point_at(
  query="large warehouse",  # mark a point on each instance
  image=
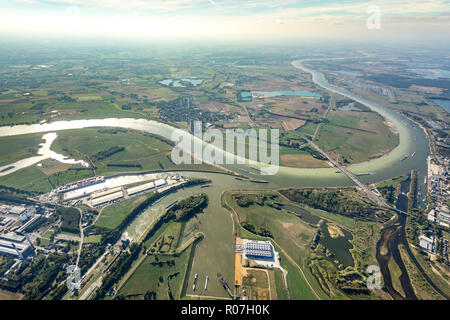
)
(141, 188)
(16, 249)
(108, 198)
(258, 249)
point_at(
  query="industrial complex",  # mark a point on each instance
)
(101, 191)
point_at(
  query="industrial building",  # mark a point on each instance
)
(98, 194)
(255, 250)
(4, 221)
(18, 250)
(426, 243)
(160, 182)
(17, 210)
(108, 198)
(141, 188)
(29, 224)
(13, 237)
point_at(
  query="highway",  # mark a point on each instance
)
(369, 193)
(372, 195)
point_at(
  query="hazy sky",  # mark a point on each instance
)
(229, 19)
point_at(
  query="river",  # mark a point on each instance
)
(411, 140)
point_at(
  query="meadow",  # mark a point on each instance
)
(356, 136)
(161, 274)
(113, 215)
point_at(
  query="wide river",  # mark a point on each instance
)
(412, 141)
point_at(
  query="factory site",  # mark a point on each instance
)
(59, 223)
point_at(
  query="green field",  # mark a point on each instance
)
(357, 136)
(298, 287)
(279, 282)
(111, 216)
(289, 231)
(155, 274)
(30, 179)
(20, 147)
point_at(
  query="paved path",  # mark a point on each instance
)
(80, 246)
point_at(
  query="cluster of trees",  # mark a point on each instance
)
(90, 253)
(352, 282)
(124, 165)
(186, 208)
(70, 219)
(388, 193)
(405, 82)
(118, 270)
(412, 194)
(5, 263)
(314, 153)
(7, 194)
(150, 295)
(66, 98)
(38, 106)
(261, 231)
(112, 130)
(343, 202)
(36, 279)
(107, 153)
(246, 200)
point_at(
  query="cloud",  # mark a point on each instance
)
(214, 18)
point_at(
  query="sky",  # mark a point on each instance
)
(263, 20)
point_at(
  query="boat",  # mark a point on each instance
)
(362, 174)
(259, 181)
(404, 158)
(169, 205)
(206, 186)
(157, 201)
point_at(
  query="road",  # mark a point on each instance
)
(363, 187)
(372, 195)
(250, 121)
(80, 246)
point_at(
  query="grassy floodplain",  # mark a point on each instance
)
(20, 147)
(113, 215)
(155, 274)
(296, 241)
